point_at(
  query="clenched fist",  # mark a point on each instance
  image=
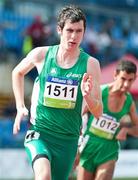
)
(86, 84)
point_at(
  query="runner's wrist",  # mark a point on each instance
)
(18, 108)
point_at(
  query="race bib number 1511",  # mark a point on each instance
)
(60, 92)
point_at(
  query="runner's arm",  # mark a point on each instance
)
(91, 88)
(34, 58)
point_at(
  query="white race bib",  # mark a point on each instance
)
(105, 126)
(60, 92)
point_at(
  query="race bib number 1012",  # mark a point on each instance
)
(105, 126)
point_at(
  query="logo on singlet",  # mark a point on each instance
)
(74, 75)
(53, 71)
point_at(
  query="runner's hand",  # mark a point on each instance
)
(76, 162)
(21, 113)
(122, 135)
(86, 84)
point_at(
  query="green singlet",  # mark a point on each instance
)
(56, 109)
(100, 144)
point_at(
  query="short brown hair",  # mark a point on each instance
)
(72, 12)
(126, 65)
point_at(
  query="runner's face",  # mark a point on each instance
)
(71, 34)
(124, 80)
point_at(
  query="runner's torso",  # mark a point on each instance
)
(58, 110)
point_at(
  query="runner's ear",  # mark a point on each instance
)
(114, 75)
(59, 30)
